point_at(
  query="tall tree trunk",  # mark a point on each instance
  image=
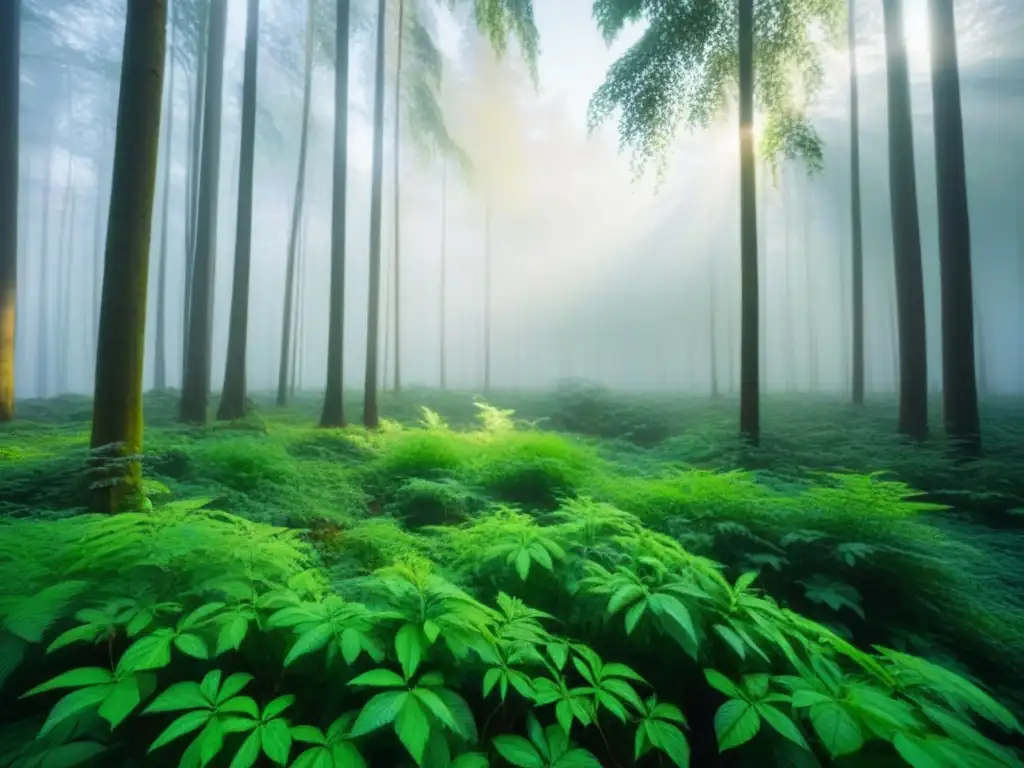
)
(856, 234)
(300, 295)
(193, 179)
(789, 340)
(10, 53)
(762, 257)
(63, 274)
(300, 188)
(232, 399)
(117, 407)
(99, 238)
(196, 385)
(712, 340)
(812, 335)
(443, 304)
(43, 324)
(959, 388)
(397, 193)
(333, 414)
(160, 345)
(487, 297)
(979, 345)
(906, 234)
(750, 421)
(371, 417)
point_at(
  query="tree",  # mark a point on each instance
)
(232, 400)
(160, 345)
(681, 69)
(443, 287)
(371, 417)
(117, 407)
(397, 188)
(300, 189)
(196, 384)
(906, 234)
(333, 414)
(487, 296)
(10, 77)
(959, 388)
(856, 227)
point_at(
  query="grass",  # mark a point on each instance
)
(880, 541)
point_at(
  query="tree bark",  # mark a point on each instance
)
(856, 226)
(959, 387)
(333, 414)
(906, 234)
(196, 385)
(232, 399)
(117, 407)
(300, 188)
(371, 417)
(160, 342)
(397, 193)
(10, 53)
(750, 421)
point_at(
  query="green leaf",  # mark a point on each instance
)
(320, 757)
(634, 614)
(190, 721)
(30, 618)
(782, 723)
(277, 706)
(310, 641)
(70, 754)
(670, 740)
(623, 596)
(75, 703)
(277, 740)
(379, 678)
(756, 686)
(917, 752)
(149, 652)
(187, 695)
(121, 702)
(723, 684)
(470, 760)
(837, 728)
(413, 728)
(491, 677)
(518, 751)
(409, 647)
(431, 630)
(308, 734)
(379, 711)
(248, 753)
(231, 634)
(577, 758)
(199, 616)
(671, 608)
(88, 632)
(734, 640)
(523, 564)
(436, 707)
(232, 686)
(461, 713)
(192, 645)
(240, 705)
(75, 678)
(808, 698)
(736, 723)
(351, 645)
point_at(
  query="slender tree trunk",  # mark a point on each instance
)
(160, 345)
(856, 234)
(762, 258)
(371, 417)
(117, 408)
(300, 295)
(442, 320)
(712, 340)
(750, 422)
(232, 399)
(99, 239)
(195, 151)
(913, 384)
(43, 325)
(487, 297)
(959, 388)
(334, 406)
(300, 188)
(812, 336)
(10, 53)
(790, 337)
(196, 386)
(67, 251)
(397, 193)
(63, 275)
(979, 345)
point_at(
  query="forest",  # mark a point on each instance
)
(467, 383)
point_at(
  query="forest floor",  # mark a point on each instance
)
(927, 557)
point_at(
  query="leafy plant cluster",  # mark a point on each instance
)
(580, 638)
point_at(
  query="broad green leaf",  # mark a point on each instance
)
(75, 703)
(413, 728)
(462, 715)
(308, 734)
(240, 705)
(71, 754)
(318, 757)
(121, 702)
(409, 648)
(577, 758)
(809, 698)
(277, 706)
(231, 635)
(756, 686)
(782, 723)
(277, 740)
(491, 677)
(248, 753)
(837, 728)
(723, 684)
(470, 760)
(736, 723)
(199, 616)
(522, 562)
(518, 751)
(87, 632)
(734, 640)
(192, 645)
(232, 686)
(345, 755)
(671, 608)
(30, 618)
(310, 641)
(429, 699)
(351, 645)
(379, 711)
(431, 630)
(190, 721)
(379, 678)
(622, 597)
(75, 678)
(149, 652)
(634, 614)
(179, 696)
(669, 740)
